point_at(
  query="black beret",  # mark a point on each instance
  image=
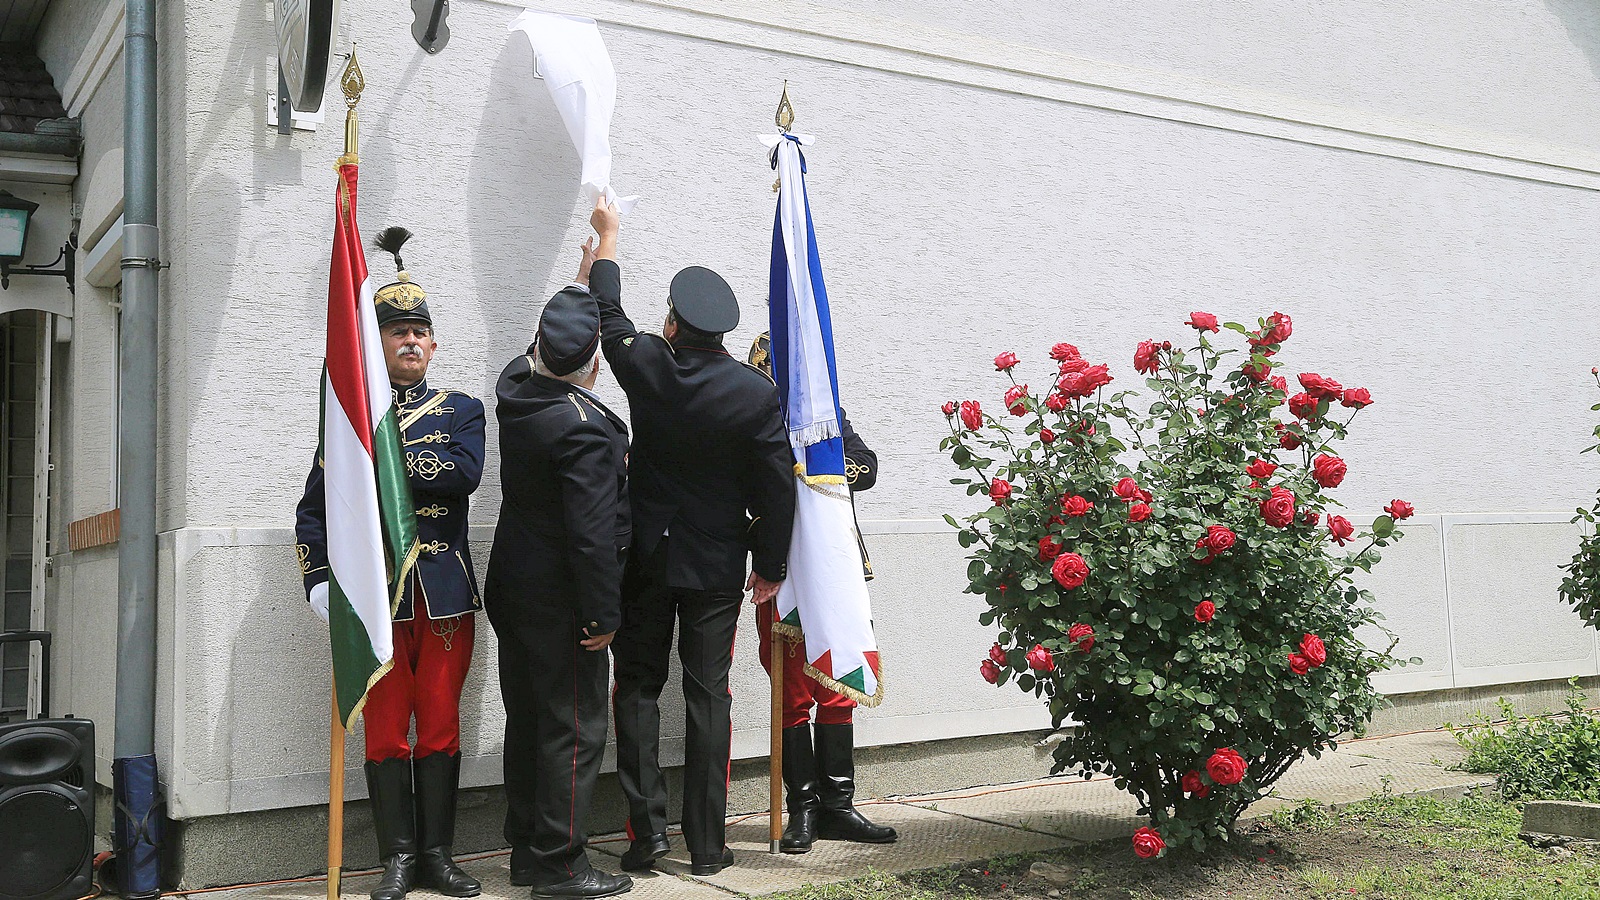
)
(703, 301)
(569, 331)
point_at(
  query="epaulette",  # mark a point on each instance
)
(759, 371)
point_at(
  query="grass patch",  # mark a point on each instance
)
(1555, 758)
(1384, 848)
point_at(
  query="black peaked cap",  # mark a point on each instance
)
(703, 301)
(569, 331)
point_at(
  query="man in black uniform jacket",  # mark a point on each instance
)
(710, 452)
(553, 592)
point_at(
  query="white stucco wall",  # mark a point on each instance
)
(1416, 187)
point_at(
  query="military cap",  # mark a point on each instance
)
(703, 301)
(402, 298)
(761, 353)
(569, 331)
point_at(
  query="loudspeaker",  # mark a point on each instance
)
(46, 809)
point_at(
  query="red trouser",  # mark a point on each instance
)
(800, 691)
(430, 666)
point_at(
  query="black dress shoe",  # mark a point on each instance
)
(643, 853)
(593, 883)
(710, 863)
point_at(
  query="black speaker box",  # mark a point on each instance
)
(46, 809)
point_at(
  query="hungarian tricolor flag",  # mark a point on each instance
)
(372, 531)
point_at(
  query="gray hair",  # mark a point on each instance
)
(574, 377)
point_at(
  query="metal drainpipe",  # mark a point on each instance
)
(135, 783)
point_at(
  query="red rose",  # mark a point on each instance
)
(1313, 649)
(1340, 529)
(1056, 402)
(1127, 490)
(1287, 439)
(949, 408)
(1399, 509)
(1138, 512)
(1005, 361)
(1147, 843)
(1279, 383)
(1000, 491)
(1014, 396)
(1040, 660)
(990, 671)
(1064, 351)
(1320, 387)
(1204, 611)
(1256, 371)
(1047, 435)
(1075, 364)
(1147, 358)
(1202, 321)
(1311, 517)
(1303, 406)
(1049, 548)
(971, 414)
(1299, 664)
(1328, 470)
(1226, 767)
(1083, 636)
(1069, 570)
(1356, 398)
(1278, 509)
(1076, 505)
(1097, 376)
(1194, 787)
(1260, 468)
(1276, 330)
(1074, 385)
(1145, 496)
(997, 654)
(1219, 538)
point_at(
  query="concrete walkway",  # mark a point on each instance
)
(960, 826)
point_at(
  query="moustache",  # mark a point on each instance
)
(409, 350)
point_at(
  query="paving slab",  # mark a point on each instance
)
(1434, 748)
(928, 839)
(1347, 776)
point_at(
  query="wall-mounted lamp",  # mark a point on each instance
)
(15, 215)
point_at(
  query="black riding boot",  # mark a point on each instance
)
(437, 775)
(838, 820)
(394, 819)
(800, 780)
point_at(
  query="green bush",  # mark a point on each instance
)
(1556, 758)
(1161, 575)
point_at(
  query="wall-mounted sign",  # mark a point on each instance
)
(305, 41)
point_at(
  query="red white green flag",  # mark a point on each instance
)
(372, 531)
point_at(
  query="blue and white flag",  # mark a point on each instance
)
(825, 595)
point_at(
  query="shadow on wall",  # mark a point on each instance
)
(1582, 21)
(521, 193)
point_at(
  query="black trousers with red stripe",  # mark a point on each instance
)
(555, 697)
(707, 622)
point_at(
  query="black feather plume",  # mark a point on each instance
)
(390, 240)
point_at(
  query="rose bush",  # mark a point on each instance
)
(1162, 578)
(1581, 586)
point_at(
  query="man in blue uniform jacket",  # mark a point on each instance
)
(554, 592)
(710, 454)
(413, 787)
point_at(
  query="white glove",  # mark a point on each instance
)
(319, 601)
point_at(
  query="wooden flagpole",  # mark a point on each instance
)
(775, 776)
(335, 800)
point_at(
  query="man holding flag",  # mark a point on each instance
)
(382, 531)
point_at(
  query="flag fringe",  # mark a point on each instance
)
(378, 673)
(815, 433)
(838, 687)
(800, 472)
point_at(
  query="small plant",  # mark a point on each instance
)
(1555, 758)
(1581, 587)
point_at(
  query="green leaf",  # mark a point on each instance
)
(1382, 527)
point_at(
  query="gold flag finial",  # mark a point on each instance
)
(352, 83)
(785, 115)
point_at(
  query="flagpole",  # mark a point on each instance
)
(335, 800)
(775, 775)
(352, 83)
